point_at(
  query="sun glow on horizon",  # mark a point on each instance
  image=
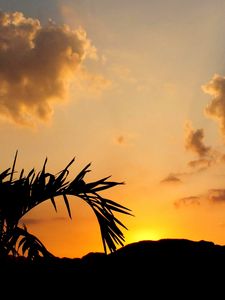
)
(144, 234)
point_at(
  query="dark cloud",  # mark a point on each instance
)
(171, 179)
(200, 164)
(194, 141)
(216, 109)
(216, 195)
(206, 156)
(37, 65)
(186, 201)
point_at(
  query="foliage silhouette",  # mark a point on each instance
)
(19, 196)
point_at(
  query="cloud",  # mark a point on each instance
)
(90, 82)
(206, 156)
(37, 65)
(124, 139)
(171, 179)
(194, 141)
(124, 73)
(186, 201)
(121, 140)
(216, 195)
(200, 164)
(216, 108)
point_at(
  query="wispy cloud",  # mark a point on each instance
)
(37, 65)
(212, 196)
(121, 140)
(124, 73)
(171, 179)
(124, 139)
(91, 82)
(187, 201)
(200, 164)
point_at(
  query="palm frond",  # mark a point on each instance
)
(19, 196)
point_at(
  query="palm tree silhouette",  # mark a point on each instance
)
(19, 196)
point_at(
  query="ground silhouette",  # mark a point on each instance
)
(177, 268)
(158, 255)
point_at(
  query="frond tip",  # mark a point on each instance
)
(19, 196)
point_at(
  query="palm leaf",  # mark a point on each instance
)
(13, 167)
(67, 205)
(19, 196)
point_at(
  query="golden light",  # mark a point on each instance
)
(143, 234)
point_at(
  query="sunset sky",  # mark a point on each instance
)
(137, 88)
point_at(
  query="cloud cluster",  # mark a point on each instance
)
(214, 196)
(205, 156)
(37, 65)
(216, 108)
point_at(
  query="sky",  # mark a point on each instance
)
(137, 88)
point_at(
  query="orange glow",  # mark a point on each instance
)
(143, 234)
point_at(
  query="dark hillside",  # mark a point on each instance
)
(157, 265)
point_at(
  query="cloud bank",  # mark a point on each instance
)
(37, 65)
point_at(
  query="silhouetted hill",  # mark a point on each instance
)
(137, 255)
(146, 264)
